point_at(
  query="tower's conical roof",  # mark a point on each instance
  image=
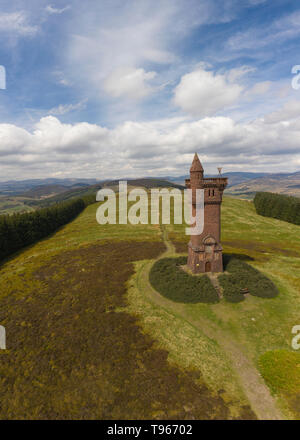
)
(196, 164)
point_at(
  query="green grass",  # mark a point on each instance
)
(67, 281)
(187, 346)
(85, 230)
(273, 247)
(73, 351)
(281, 371)
(239, 275)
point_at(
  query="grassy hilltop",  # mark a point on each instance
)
(261, 326)
(85, 340)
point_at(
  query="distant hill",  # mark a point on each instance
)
(63, 196)
(44, 191)
(234, 178)
(20, 196)
(44, 187)
(41, 196)
(18, 187)
(288, 184)
(245, 185)
(145, 183)
(92, 189)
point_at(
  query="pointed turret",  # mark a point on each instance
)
(196, 172)
(205, 250)
(196, 164)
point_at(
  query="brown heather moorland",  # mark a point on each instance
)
(74, 352)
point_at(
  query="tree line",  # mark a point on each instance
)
(278, 206)
(19, 230)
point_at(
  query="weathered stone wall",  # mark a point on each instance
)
(206, 256)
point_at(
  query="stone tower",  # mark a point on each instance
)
(205, 250)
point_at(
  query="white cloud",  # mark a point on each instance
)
(16, 23)
(130, 52)
(115, 46)
(278, 31)
(256, 2)
(51, 10)
(60, 78)
(290, 110)
(147, 148)
(137, 36)
(13, 140)
(260, 88)
(66, 108)
(129, 83)
(202, 93)
(237, 73)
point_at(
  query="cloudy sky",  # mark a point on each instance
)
(131, 88)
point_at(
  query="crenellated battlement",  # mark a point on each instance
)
(215, 181)
(207, 182)
(205, 250)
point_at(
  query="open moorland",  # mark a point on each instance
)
(261, 327)
(73, 349)
(88, 337)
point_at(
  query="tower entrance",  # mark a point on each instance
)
(205, 250)
(208, 266)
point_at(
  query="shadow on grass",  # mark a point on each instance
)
(228, 256)
(240, 277)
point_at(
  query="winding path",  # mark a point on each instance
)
(255, 389)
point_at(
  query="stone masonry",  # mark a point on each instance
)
(205, 250)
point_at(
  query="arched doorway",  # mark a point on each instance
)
(208, 266)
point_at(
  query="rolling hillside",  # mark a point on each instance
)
(245, 185)
(44, 191)
(85, 341)
(18, 187)
(234, 178)
(288, 184)
(46, 195)
(21, 196)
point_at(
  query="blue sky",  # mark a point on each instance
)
(113, 88)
